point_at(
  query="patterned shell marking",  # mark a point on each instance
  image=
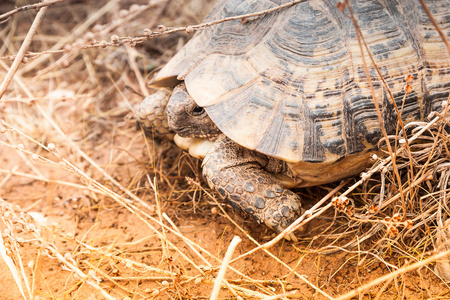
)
(292, 85)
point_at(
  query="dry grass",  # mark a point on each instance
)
(90, 209)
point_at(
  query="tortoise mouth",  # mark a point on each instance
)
(188, 132)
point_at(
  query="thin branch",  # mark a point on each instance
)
(403, 270)
(162, 30)
(435, 24)
(361, 41)
(28, 7)
(223, 268)
(21, 54)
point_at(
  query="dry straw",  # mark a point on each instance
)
(147, 250)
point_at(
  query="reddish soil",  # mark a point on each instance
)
(116, 241)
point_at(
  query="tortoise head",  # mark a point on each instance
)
(188, 119)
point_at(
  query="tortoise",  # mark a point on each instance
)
(283, 100)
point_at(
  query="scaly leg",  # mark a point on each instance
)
(238, 174)
(151, 115)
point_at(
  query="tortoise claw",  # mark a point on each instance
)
(238, 175)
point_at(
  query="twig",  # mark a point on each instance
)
(376, 169)
(361, 41)
(361, 289)
(306, 217)
(23, 48)
(28, 7)
(44, 179)
(132, 54)
(89, 279)
(223, 268)
(187, 241)
(140, 39)
(12, 267)
(435, 24)
(260, 247)
(284, 295)
(208, 24)
(76, 32)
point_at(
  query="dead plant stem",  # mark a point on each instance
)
(306, 217)
(435, 24)
(360, 38)
(223, 268)
(29, 7)
(390, 276)
(23, 49)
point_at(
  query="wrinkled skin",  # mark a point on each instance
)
(186, 118)
(244, 177)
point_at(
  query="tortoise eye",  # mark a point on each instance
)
(198, 110)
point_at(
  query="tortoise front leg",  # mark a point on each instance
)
(239, 175)
(151, 115)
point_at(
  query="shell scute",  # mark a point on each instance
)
(292, 84)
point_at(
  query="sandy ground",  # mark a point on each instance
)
(115, 214)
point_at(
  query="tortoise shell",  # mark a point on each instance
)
(291, 84)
